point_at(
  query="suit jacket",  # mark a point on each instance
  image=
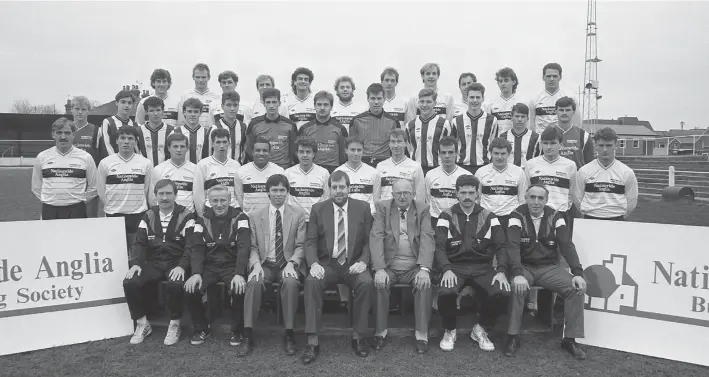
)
(384, 238)
(294, 226)
(321, 233)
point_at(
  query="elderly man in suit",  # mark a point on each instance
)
(277, 237)
(337, 251)
(402, 248)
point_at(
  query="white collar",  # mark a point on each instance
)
(272, 209)
(344, 207)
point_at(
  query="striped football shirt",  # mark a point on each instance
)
(425, 135)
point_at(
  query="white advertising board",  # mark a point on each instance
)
(648, 288)
(61, 283)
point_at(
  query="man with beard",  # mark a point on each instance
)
(346, 107)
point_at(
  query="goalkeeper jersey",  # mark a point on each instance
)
(606, 191)
(398, 107)
(501, 108)
(502, 190)
(183, 177)
(443, 106)
(259, 109)
(237, 137)
(154, 145)
(123, 184)
(169, 113)
(251, 185)
(199, 142)
(62, 179)
(330, 137)
(425, 135)
(299, 111)
(86, 138)
(557, 176)
(211, 172)
(525, 146)
(364, 183)
(440, 187)
(389, 171)
(280, 133)
(308, 188)
(344, 113)
(544, 109)
(474, 134)
(208, 99)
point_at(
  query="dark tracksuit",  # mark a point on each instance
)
(220, 251)
(158, 253)
(467, 245)
(535, 255)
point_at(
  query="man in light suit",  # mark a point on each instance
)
(277, 237)
(337, 251)
(402, 247)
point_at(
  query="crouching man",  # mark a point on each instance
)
(160, 253)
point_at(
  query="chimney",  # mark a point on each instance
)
(146, 93)
(67, 107)
(681, 125)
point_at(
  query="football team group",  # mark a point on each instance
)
(301, 190)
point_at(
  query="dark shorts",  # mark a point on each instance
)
(72, 211)
(131, 220)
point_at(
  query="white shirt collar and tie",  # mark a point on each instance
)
(336, 218)
(272, 231)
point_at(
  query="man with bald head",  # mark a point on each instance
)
(402, 246)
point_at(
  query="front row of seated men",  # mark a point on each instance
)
(337, 245)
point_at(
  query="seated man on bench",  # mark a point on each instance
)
(401, 244)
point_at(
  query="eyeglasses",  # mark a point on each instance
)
(402, 194)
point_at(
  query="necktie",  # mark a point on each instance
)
(341, 244)
(403, 213)
(280, 260)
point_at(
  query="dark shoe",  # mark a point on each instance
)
(512, 345)
(199, 337)
(574, 349)
(360, 347)
(289, 345)
(236, 339)
(421, 347)
(310, 354)
(245, 347)
(379, 342)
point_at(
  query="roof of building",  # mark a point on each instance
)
(628, 130)
(676, 133)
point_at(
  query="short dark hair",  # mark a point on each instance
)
(606, 134)
(324, 94)
(174, 136)
(389, 71)
(270, 92)
(552, 133)
(164, 183)
(338, 175)
(467, 74)
(500, 142)
(277, 179)
(153, 101)
(565, 102)
(399, 132)
(556, 66)
(344, 78)
(353, 139)
(219, 132)
(160, 74)
(520, 108)
(374, 88)
(301, 71)
(261, 140)
(193, 103)
(447, 141)
(228, 74)
(265, 77)
(476, 87)
(61, 122)
(231, 96)
(201, 67)
(125, 94)
(467, 180)
(307, 142)
(128, 130)
(428, 93)
(508, 73)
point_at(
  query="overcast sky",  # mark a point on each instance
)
(655, 54)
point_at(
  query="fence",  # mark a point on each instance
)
(653, 181)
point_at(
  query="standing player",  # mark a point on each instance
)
(525, 142)
(606, 189)
(123, 181)
(501, 106)
(373, 127)
(108, 135)
(399, 166)
(279, 131)
(177, 169)
(229, 120)
(502, 185)
(365, 182)
(426, 131)
(201, 91)
(576, 145)
(474, 129)
(308, 181)
(64, 177)
(192, 128)
(154, 132)
(396, 106)
(298, 102)
(346, 107)
(160, 81)
(329, 134)
(228, 80)
(258, 109)
(464, 81)
(251, 178)
(543, 107)
(218, 169)
(440, 182)
(86, 134)
(430, 73)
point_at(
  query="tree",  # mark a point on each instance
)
(23, 106)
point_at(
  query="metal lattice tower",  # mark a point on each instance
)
(590, 73)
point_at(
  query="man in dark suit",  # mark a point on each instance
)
(402, 248)
(337, 251)
(277, 237)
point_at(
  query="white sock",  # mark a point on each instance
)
(420, 335)
(143, 320)
(383, 334)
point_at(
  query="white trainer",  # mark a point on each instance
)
(480, 336)
(141, 332)
(448, 341)
(173, 334)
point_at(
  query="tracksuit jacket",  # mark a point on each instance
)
(168, 250)
(223, 243)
